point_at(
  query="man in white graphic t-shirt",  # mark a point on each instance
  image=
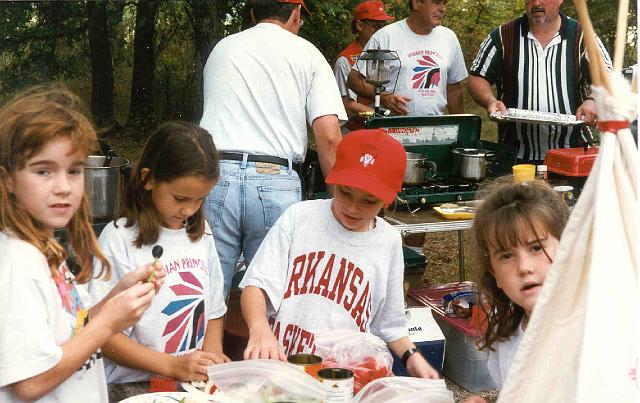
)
(432, 66)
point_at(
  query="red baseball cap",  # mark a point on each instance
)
(371, 10)
(294, 2)
(372, 161)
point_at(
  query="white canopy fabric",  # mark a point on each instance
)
(582, 342)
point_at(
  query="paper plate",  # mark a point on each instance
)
(461, 213)
(157, 397)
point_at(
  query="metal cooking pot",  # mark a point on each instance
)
(419, 168)
(472, 163)
(103, 183)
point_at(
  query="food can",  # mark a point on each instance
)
(309, 363)
(541, 172)
(566, 192)
(338, 383)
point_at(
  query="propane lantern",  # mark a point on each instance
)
(379, 64)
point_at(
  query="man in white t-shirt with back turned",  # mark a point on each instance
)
(262, 86)
(432, 65)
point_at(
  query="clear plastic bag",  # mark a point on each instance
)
(459, 304)
(363, 353)
(402, 389)
(258, 381)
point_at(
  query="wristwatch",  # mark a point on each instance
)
(409, 353)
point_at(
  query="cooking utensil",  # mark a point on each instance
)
(419, 169)
(472, 163)
(108, 158)
(103, 184)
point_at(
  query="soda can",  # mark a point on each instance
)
(309, 363)
(338, 383)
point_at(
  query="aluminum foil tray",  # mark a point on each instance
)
(536, 117)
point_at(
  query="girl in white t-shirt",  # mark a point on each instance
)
(181, 333)
(516, 234)
(50, 343)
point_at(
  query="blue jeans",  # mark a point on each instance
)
(244, 205)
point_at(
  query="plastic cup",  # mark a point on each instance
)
(566, 192)
(524, 172)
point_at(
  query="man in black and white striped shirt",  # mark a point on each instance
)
(538, 62)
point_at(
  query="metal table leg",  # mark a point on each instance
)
(461, 255)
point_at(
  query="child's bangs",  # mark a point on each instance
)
(512, 227)
(84, 138)
(54, 125)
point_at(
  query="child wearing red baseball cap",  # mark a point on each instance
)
(334, 264)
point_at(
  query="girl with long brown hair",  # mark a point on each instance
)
(516, 233)
(50, 343)
(181, 333)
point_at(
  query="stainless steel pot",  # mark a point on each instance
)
(103, 184)
(472, 163)
(419, 168)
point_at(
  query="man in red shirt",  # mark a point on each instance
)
(368, 17)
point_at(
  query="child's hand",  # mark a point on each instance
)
(263, 344)
(125, 308)
(193, 366)
(141, 274)
(418, 367)
(219, 358)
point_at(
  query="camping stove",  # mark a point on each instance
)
(434, 191)
(436, 137)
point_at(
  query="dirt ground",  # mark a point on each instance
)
(460, 394)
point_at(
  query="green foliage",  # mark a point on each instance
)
(45, 41)
(41, 42)
(603, 15)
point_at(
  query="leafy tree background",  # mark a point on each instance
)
(138, 63)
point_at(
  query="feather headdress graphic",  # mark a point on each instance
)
(427, 73)
(187, 322)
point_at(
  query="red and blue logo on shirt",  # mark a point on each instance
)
(427, 73)
(187, 322)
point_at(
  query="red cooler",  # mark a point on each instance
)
(571, 162)
(570, 166)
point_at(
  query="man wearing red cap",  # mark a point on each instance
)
(262, 87)
(332, 265)
(430, 77)
(368, 17)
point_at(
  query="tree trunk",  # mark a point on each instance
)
(140, 118)
(50, 21)
(203, 16)
(101, 65)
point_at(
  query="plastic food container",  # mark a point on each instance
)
(463, 362)
(575, 162)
